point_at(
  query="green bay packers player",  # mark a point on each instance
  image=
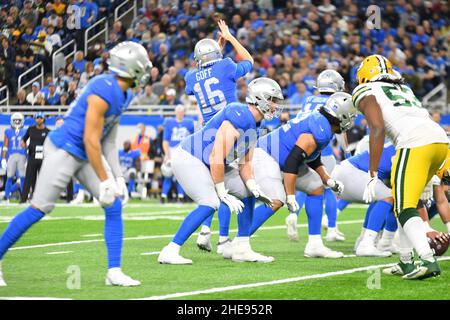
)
(391, 108)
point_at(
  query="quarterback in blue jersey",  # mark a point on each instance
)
(353, 173)
(328, 82)
(202, 164)
(295, 149)
(175, 130)
(14, 155)
(84, 147)
(130, 162)
(214, 85)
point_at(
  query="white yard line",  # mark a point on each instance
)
(154, 253)
(58, 252)
(270, 283)
(157, 236)
(92, 235)
(32, 298)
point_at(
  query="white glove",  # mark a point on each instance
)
(369, 191)
(335, 185)
(4, 164)
(122, 190)
(292, 204)
(231, 201)
(108, 191)
(258, 193)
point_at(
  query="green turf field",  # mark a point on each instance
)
(63, 256)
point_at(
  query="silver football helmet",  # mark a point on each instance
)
(340, 106)
(17, 120)
(130, 60)
(206, 52)
(265, 93)
(330, 81)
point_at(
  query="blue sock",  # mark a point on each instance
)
(369, 210)
(131, 185)
(261, 215)
(330, 207)
(342, 204)
(245, 217)
(180, 190)
(114, 233)
(191, 223)
(313, 207)
(432, 211)
(22, 182)
(224, 215)
(8, 188)
(14, 188)
(391, 222)
(378, 215)
(18, 226)
(208, 221)
(76, 188)
(167, 184)
(301, 198)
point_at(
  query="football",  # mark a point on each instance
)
(439, 245)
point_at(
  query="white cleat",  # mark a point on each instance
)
(321, 252)
(333, 236)
(170, 256)
(227, 249)
(291, 223)
(224, 246)
(371, 251)
(204, 241)
(115, 277)
(250, 256)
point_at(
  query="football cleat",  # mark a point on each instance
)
(2, 281)
(321, 251)
(334, 236)
(250, 256)
(371, 251)
(224, 246)
(115, 277)
(425, 269)
(204, 241)
(291, 223)
(170, 256)
(399, 269)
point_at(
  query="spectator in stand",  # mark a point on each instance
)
(43, 49)
(63, 98)
(24, 58)
(59, 7)
(33, 96)
(87, 74)
(160, 87)
(141, 142)
(129, 36)
(425, 74)
(170, 99)
(72, 92)
(302, 93)
(54, 38)
(52, 97)
(52, 18)
(104, 8)
(39, 6)
(7, 51)
(22, 98)
(79, 63)
(28, 13)
(146, 98)
(119, 31)
(61, 29)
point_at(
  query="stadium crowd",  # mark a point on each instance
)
(291, 42)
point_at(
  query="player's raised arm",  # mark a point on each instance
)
(240, 50)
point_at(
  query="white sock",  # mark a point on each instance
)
(315, 240)
(205, 229)
(243, 239)
(338, 212)
(174, 246)
(416, 233)
(368, 238)
(387, 236)
(114, 270)
(331, 230)
(222, 239)
(404, 246)
(448, 226)
(293, 215)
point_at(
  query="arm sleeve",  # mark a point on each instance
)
(317, 162)
(294, 160)
(110, 151)
(242, 69)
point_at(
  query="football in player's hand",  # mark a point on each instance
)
(438, 241)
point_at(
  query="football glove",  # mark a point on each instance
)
(369, 191)
(231, 201)
(108, 191)
(4, 164)
(258, 193)
(122, 190)
(292, 204)
(335, 185)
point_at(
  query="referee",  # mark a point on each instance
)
(36, 134)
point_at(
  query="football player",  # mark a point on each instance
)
(14, 155)
(175, 130)
(130, 162)
(84, 147)
(328, 82)
(391, 107)
(201, 165)
(291, 154)
(214, 85)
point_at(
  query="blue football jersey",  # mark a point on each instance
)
(175, 132)
(280, 142)
(128, 159)
(14, 139)
(214, 86)
(361, 161)
(69, 136)
(312, 103)
(200, 143)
